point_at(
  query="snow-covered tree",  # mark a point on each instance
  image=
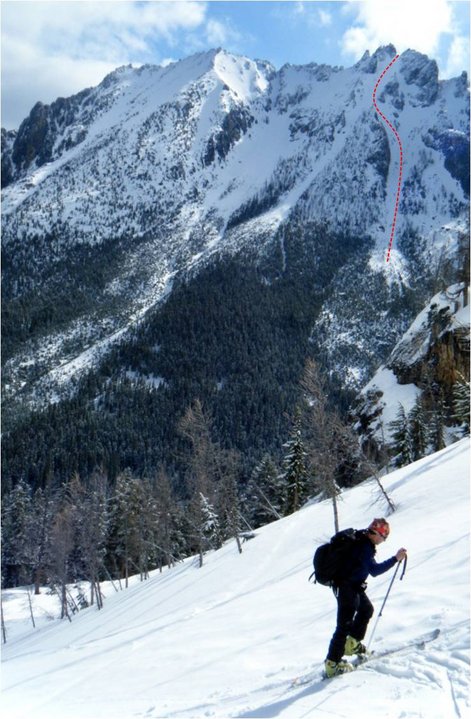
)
(436, 432)
(401, 446)
(126, 536)
(16, 549)
(295, 474)
(461, 404)
(265, 494)
(204, 523)
(40, 540)
(417, 430)
(209, 521)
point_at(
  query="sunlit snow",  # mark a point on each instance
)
(231, 638)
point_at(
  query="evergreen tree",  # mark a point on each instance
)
(228, 506)
(16, 550)
(73, 497)
(169, 539)
(147, 530)
(125, 543)
(401, 446)
(295, 475)
(436, 433)
(417, 430)
(461, 404)
(209, 522)
(265, 494)
(40, 540)
(204, 523)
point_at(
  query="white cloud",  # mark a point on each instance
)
(299, 8)
(325, 18)
(429, 26)
(309, 13)
(405, 23)
(221, 34)
(58, 48)
(458, 57)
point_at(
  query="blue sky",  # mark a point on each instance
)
(56, 48)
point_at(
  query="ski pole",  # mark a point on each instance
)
(385, 599)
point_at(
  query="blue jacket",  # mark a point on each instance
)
(364, 562)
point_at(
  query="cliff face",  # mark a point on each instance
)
(430, 360)
(436, 347)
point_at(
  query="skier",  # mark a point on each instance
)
(354, 609)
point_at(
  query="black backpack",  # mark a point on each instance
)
(333, 560)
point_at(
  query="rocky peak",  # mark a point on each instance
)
(36, 141)
(370, 63)
(421, 74)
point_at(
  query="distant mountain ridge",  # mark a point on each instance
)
(119, 194)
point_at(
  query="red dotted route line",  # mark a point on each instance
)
(401, 162)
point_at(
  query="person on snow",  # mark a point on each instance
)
(354, 609)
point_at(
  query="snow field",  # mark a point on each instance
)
(227, 640)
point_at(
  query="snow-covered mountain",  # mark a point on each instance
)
(113, 193)
(230, 638)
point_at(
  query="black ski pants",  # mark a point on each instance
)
(354, 611)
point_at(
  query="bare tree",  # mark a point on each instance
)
(44, 508)
(328, 440)
(195, 426)
(62, 546)
(168, 539)
(4, 631)
(227, 496)
(93, 533)
(371, 469)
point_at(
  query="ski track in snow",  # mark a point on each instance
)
(232, 638)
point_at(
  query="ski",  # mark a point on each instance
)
(361, 659)
(305, 679)
(418, 643)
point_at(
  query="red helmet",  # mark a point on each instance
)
(380, 526)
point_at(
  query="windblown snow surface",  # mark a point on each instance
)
(229, 639)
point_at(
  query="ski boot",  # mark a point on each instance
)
(353, 646)
(334, 669)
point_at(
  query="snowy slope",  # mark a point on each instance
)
(227, 640)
